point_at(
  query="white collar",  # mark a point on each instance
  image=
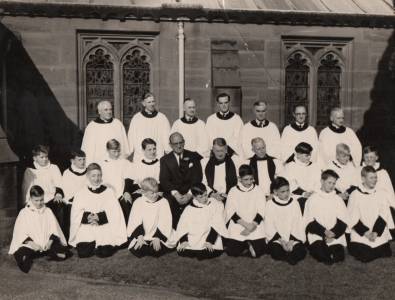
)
(198, 204)
(367, 190)
(244, 189)
(77, 170)
(38, 167)
(376, 165)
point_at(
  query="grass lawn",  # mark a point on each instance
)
(235, 278)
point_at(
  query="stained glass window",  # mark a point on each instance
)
(136, 70)
(296, 83)
(99, 76)
(328, 88)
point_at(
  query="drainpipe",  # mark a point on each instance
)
(181, 79)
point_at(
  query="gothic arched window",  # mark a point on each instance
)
(328, 87)
(136, 70)
(296, 83)
(99, 80)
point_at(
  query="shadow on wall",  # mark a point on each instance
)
(33, 112)
(379, 121)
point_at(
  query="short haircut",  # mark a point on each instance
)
(113, 144)
(219, 142)
(343, 148)
(299, 105)
(188, 99)
(36, 191)
(149, 184)
(367, 169)
(221, 96)
(198, 189)
(245, 170)
(40, 149)
(329, 173)
(147, 95)
(369, 149)
(257, 140)
(259, 103)
(93, 167)
(101, 104)
(303, 148)
(77, 153)
(336, 109)
(146, 142)
(175, 134)
(278, 182)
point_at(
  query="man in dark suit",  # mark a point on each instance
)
(179, 170)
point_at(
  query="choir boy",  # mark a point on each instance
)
(326, 220)
(244, 211)
(148, 166)
(100, 131)
(225, 124)
(297, 132)
(97, 225)
(336, 133)
(201, 226)
(263, 128)
(192, 129)
(264, 166)
(149, 123)
(150, 223)
(37, 233)
(284, 224)
(369, 215)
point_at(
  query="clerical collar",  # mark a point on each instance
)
(189, 120)
(257, 158)
(242, 188)
(259, 124)
(97, 189)
(337, 129)
(225, 116)
(149, 162)
(197, 204)
(280, 202)
(299, 127)
(149, 115)
(79, 172)
(101, 121)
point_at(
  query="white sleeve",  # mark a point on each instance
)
(124, 141)
(88, 144)
(356, 148)
(165, 132)
(131, 134)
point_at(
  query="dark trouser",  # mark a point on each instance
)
(365, 253)
(147, 250)
(66, 220)
(58, 209)
(88, 249)
(326, 254)
(126, 208)
(176, 210)
(237, 248)
(24, 256)
(277, 252)
(200, 254)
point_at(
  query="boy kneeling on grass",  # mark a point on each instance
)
(201, 226)
(326, 220)
(37, 233)
(284, 224)
(245, 210)
(150, 222)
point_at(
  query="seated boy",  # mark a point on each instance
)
(370, 157)
(303, 175)
(116, 172)
(326, 221)
(48, 177)
(73, 180)
(97, 225)
(201, 226)
(245, 210)
(37, 232)
(369, 214)
(284, 225)
(150, 222)
(147, 166)
(347, 171)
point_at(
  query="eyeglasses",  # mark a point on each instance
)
(179, 143)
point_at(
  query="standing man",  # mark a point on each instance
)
(263, 128)
(225, 124)
(298, 132)
(179, 171)
(100, 131)
(336, 133)
(192, 129)
(149, 123)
